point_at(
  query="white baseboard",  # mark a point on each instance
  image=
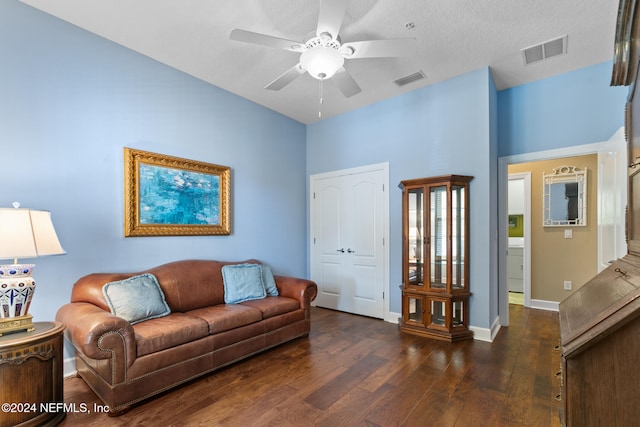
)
(544, 305)
(393, 317)
(482, 334)
(69, 366)
(495, 328)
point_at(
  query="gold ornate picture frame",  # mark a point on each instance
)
(172, 196)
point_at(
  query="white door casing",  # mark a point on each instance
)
(348, 234)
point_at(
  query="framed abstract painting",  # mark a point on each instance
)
(171, 196)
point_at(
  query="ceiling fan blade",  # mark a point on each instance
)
(380, 48)
(331, 16)
(345, 83)
(285, 78)
(265, 40)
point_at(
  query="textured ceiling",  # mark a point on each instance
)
(453, 36)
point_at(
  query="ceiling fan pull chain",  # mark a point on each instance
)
(321, 100)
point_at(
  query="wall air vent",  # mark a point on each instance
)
(545, 50)
(402, 81)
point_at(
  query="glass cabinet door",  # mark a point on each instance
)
(438, 313)
(458, 313)
(415, 241)
(414, 309)
(438, 241)
(458, 242)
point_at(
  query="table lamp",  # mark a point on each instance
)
(24, 233)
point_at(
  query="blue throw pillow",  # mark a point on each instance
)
(269, 281)
(136, 299)
(242, 282)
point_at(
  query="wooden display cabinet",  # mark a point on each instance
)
(435, 254)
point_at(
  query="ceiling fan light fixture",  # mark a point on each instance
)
(321, 62)
(322, 55)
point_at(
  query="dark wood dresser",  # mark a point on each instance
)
(600, 336)
(600, 322)
(31, 376)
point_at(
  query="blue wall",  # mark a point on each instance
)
(70, 101)
(440, 129)
(462, 126)
(570, 109)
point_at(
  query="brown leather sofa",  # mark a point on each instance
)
(125, 364)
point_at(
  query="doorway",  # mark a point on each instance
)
(613, 153)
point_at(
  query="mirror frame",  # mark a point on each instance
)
(564, 175)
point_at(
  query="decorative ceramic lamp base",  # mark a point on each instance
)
(16, 291)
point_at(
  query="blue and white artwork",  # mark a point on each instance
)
(176, 196)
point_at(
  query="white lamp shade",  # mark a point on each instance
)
(26, 233)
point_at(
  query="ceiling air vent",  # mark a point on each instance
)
(410, 78)
(545, 50)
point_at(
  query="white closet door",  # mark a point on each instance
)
(328, 247)
(348, 242)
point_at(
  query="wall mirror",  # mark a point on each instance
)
(565, 197)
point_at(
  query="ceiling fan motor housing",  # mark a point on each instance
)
(322, 58)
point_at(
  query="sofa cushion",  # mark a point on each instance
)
(273, 306)
(269, 281)
(165, 332)
(190, 284)
(242, 282)
(136, 299)
(224, 317)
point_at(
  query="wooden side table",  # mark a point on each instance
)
(31, 376)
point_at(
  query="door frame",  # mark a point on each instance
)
(526, 261)
(384, 167)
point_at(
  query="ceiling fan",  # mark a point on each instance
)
(323, 55)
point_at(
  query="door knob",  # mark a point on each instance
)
(350, 251)
(340, 250)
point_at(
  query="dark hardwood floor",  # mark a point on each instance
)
(356, 371)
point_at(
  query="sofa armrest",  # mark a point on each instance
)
(97, 333)
(302, 290)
